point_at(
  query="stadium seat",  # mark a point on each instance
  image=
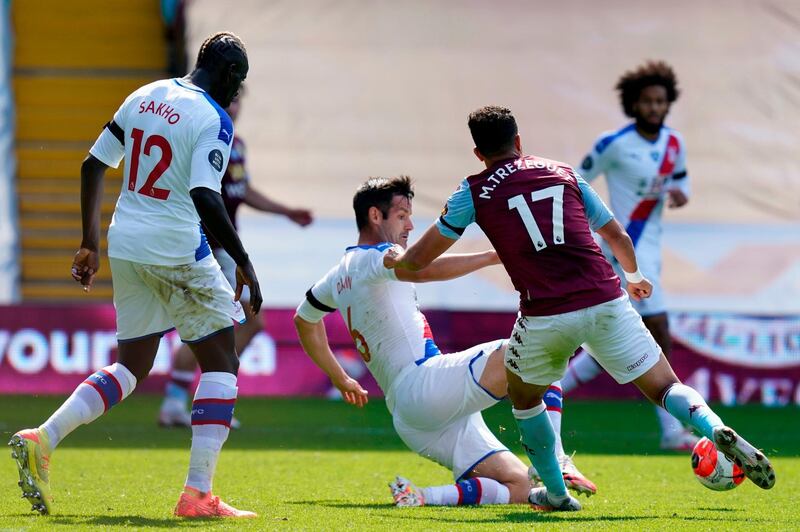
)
(74, 63)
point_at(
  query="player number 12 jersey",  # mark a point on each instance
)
(174, 138)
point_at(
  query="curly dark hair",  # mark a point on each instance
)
(378, 192)
(493, 129)
(221, 47)
(651, 73)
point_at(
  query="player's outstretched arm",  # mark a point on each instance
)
(211, 209)
(622, 247)
(314, 340)
(421, 253)
(259, 201)
(450, 266)
(87, 259)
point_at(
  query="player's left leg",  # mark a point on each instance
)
(493, 378)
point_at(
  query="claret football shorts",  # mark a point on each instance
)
(195, 299)
(436, 408)
(613, 332)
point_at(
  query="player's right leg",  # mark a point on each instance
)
(661, 385)
(622, 344)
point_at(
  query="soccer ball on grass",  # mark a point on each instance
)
(713, 469)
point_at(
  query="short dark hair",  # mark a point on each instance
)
(493, 129)
(379, 192)
(217, 49)
(651, 73)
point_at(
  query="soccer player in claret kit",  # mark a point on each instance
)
(175, 137)
(435, 399)
(539, 215)
(645, 167)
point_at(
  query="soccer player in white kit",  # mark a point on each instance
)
(175, 137)
(435, 400)
(645, 167)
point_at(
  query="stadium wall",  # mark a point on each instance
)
(729, 358)
(9, 268)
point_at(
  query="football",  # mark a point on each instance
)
(713, 469)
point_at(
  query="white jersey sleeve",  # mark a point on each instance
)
(210, 156)
(109, 148)
(319, 299)
(597, 160)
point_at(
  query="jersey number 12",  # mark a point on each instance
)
(149, 188)
(518, 202)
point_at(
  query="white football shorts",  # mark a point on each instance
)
(437, 406)
(228, 266)
(613, 332)
(195, 298)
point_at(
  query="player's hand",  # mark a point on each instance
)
(641, 290)
(352, 392)
(301, 217)
(85, 266)
(392, 257)
(246, 276)
(677, 198)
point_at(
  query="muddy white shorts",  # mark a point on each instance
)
(195, 298)
(436, 407)
(541, 346)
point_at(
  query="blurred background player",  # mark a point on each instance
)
(435, 401)
(645, 167)
(539, 215)
(176, 138)
(236, 190)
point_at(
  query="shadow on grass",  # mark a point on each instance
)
(134, 521)
(527, 516)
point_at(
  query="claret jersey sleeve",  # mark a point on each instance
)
(458, 212)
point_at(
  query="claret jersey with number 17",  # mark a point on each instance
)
(174, 138)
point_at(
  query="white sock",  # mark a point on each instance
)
(581, 370)
(92, 398)
(476, 490)
(212, 411)
(554, 402)
(669, 425)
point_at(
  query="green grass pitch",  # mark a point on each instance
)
(309, 464)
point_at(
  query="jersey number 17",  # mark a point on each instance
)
(518, 202)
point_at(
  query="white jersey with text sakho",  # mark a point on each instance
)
(174, 138)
